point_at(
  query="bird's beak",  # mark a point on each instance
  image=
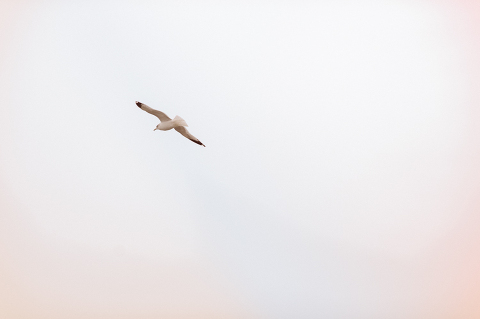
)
(154, 129)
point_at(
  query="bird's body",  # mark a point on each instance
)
(166, 123)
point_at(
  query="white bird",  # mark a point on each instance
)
(167, 123)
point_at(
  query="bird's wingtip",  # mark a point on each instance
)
(196, 141)
(138, 104)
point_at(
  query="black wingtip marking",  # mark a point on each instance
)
(138, 104)
(198, 142)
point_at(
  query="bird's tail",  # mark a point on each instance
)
(179, 121)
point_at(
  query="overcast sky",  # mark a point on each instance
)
(339, 178)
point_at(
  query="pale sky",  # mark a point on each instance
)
(339, 177)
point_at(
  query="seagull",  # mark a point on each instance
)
(167, 123)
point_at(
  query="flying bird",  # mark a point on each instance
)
(167, 123)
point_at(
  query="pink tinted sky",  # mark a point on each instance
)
(461, 250)
(455, 260)
(34, 270)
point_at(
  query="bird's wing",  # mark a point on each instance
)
(162, 116)
(182, 130)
